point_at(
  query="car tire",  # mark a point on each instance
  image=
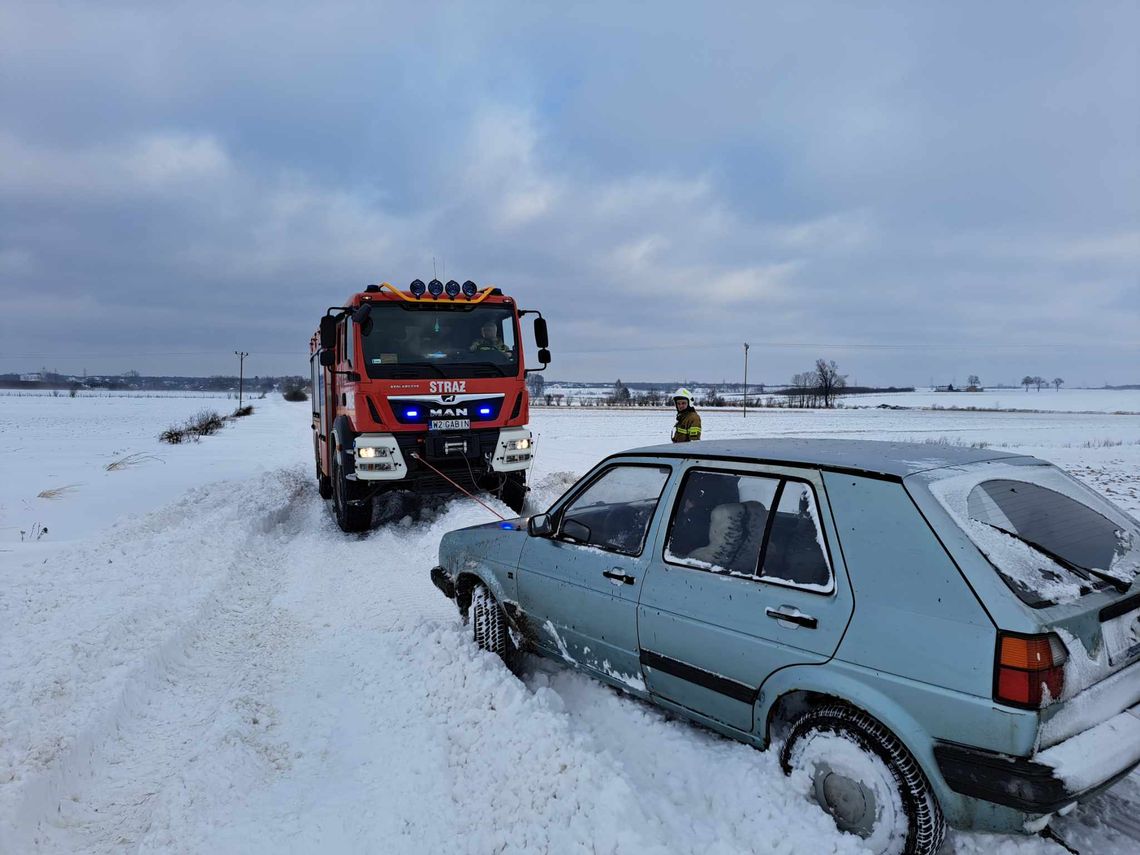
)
(489, 626)
(866, 779)
(350, 518)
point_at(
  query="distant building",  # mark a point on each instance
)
(35, 377)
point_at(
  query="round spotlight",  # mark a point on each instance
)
(417, 287)
(470, 289)
(452, 288)
(435, 287)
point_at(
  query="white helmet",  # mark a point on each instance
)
(683, 393)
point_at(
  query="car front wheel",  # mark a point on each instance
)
(489, 625)
(868, 781)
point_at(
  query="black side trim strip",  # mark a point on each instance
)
(1117, 609)
(704, 679)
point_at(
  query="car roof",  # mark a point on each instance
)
(896, 459)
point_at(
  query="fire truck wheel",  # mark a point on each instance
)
(349, 517)
(513, 491)
(324, 483)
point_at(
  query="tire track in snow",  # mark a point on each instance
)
(74, 804)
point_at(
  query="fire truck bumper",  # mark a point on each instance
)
(378, 458)
(514, 451)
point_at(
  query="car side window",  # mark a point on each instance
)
(720, 521)
(795, 553)
(613, 512)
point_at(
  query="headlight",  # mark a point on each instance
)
(367, 451)
(518, 444)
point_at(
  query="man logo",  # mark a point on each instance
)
(448, 413)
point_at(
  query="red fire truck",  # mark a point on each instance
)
(421, 390)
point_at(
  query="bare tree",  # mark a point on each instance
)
(535, 383)
(829, 381)
(1026, 381)
(974, 380)
(801, 389)
(1039, 382)
(1058, 383)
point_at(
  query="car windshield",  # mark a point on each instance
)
(1051, 538)
(441, 341)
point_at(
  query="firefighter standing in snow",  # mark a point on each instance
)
(688, 426)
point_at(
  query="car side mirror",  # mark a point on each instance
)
(539, 526)
(328, 332)
(328, 358)
(575, 530)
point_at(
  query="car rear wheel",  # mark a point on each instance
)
(868, 781)
(489, 625)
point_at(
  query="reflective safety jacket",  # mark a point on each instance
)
(484, 344)
(688, 427)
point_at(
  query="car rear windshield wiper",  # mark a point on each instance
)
(1085, 573)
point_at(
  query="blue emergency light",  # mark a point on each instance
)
(484, 411)
(411, 414)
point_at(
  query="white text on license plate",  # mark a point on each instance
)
(449, 424)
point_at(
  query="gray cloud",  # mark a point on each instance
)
(915, 193)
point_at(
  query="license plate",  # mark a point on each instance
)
(1122, 637)
(449, 424)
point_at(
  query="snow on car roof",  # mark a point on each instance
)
(886, 458)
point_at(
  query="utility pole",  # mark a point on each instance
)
(746, 346)
(241, 355)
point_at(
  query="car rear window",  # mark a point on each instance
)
(1051, 538)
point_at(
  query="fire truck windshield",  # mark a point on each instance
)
(440, 342)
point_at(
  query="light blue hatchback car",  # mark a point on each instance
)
(936, 635)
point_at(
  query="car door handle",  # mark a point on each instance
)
(618, 576)
(792, 616)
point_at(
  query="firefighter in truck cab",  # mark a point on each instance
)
(688, 426)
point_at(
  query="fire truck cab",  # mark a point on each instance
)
(421, 390)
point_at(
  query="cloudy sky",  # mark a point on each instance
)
(918, 191)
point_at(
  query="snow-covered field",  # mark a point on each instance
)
(1065, 400)
(194, 658)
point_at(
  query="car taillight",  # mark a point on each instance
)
(1030, 670)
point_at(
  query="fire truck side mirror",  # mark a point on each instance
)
(540, 335)
(544, 356)
(328, 358)
(328, 332)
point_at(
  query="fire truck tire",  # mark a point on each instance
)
(324, 483)
(350, 518)
(513, 491)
